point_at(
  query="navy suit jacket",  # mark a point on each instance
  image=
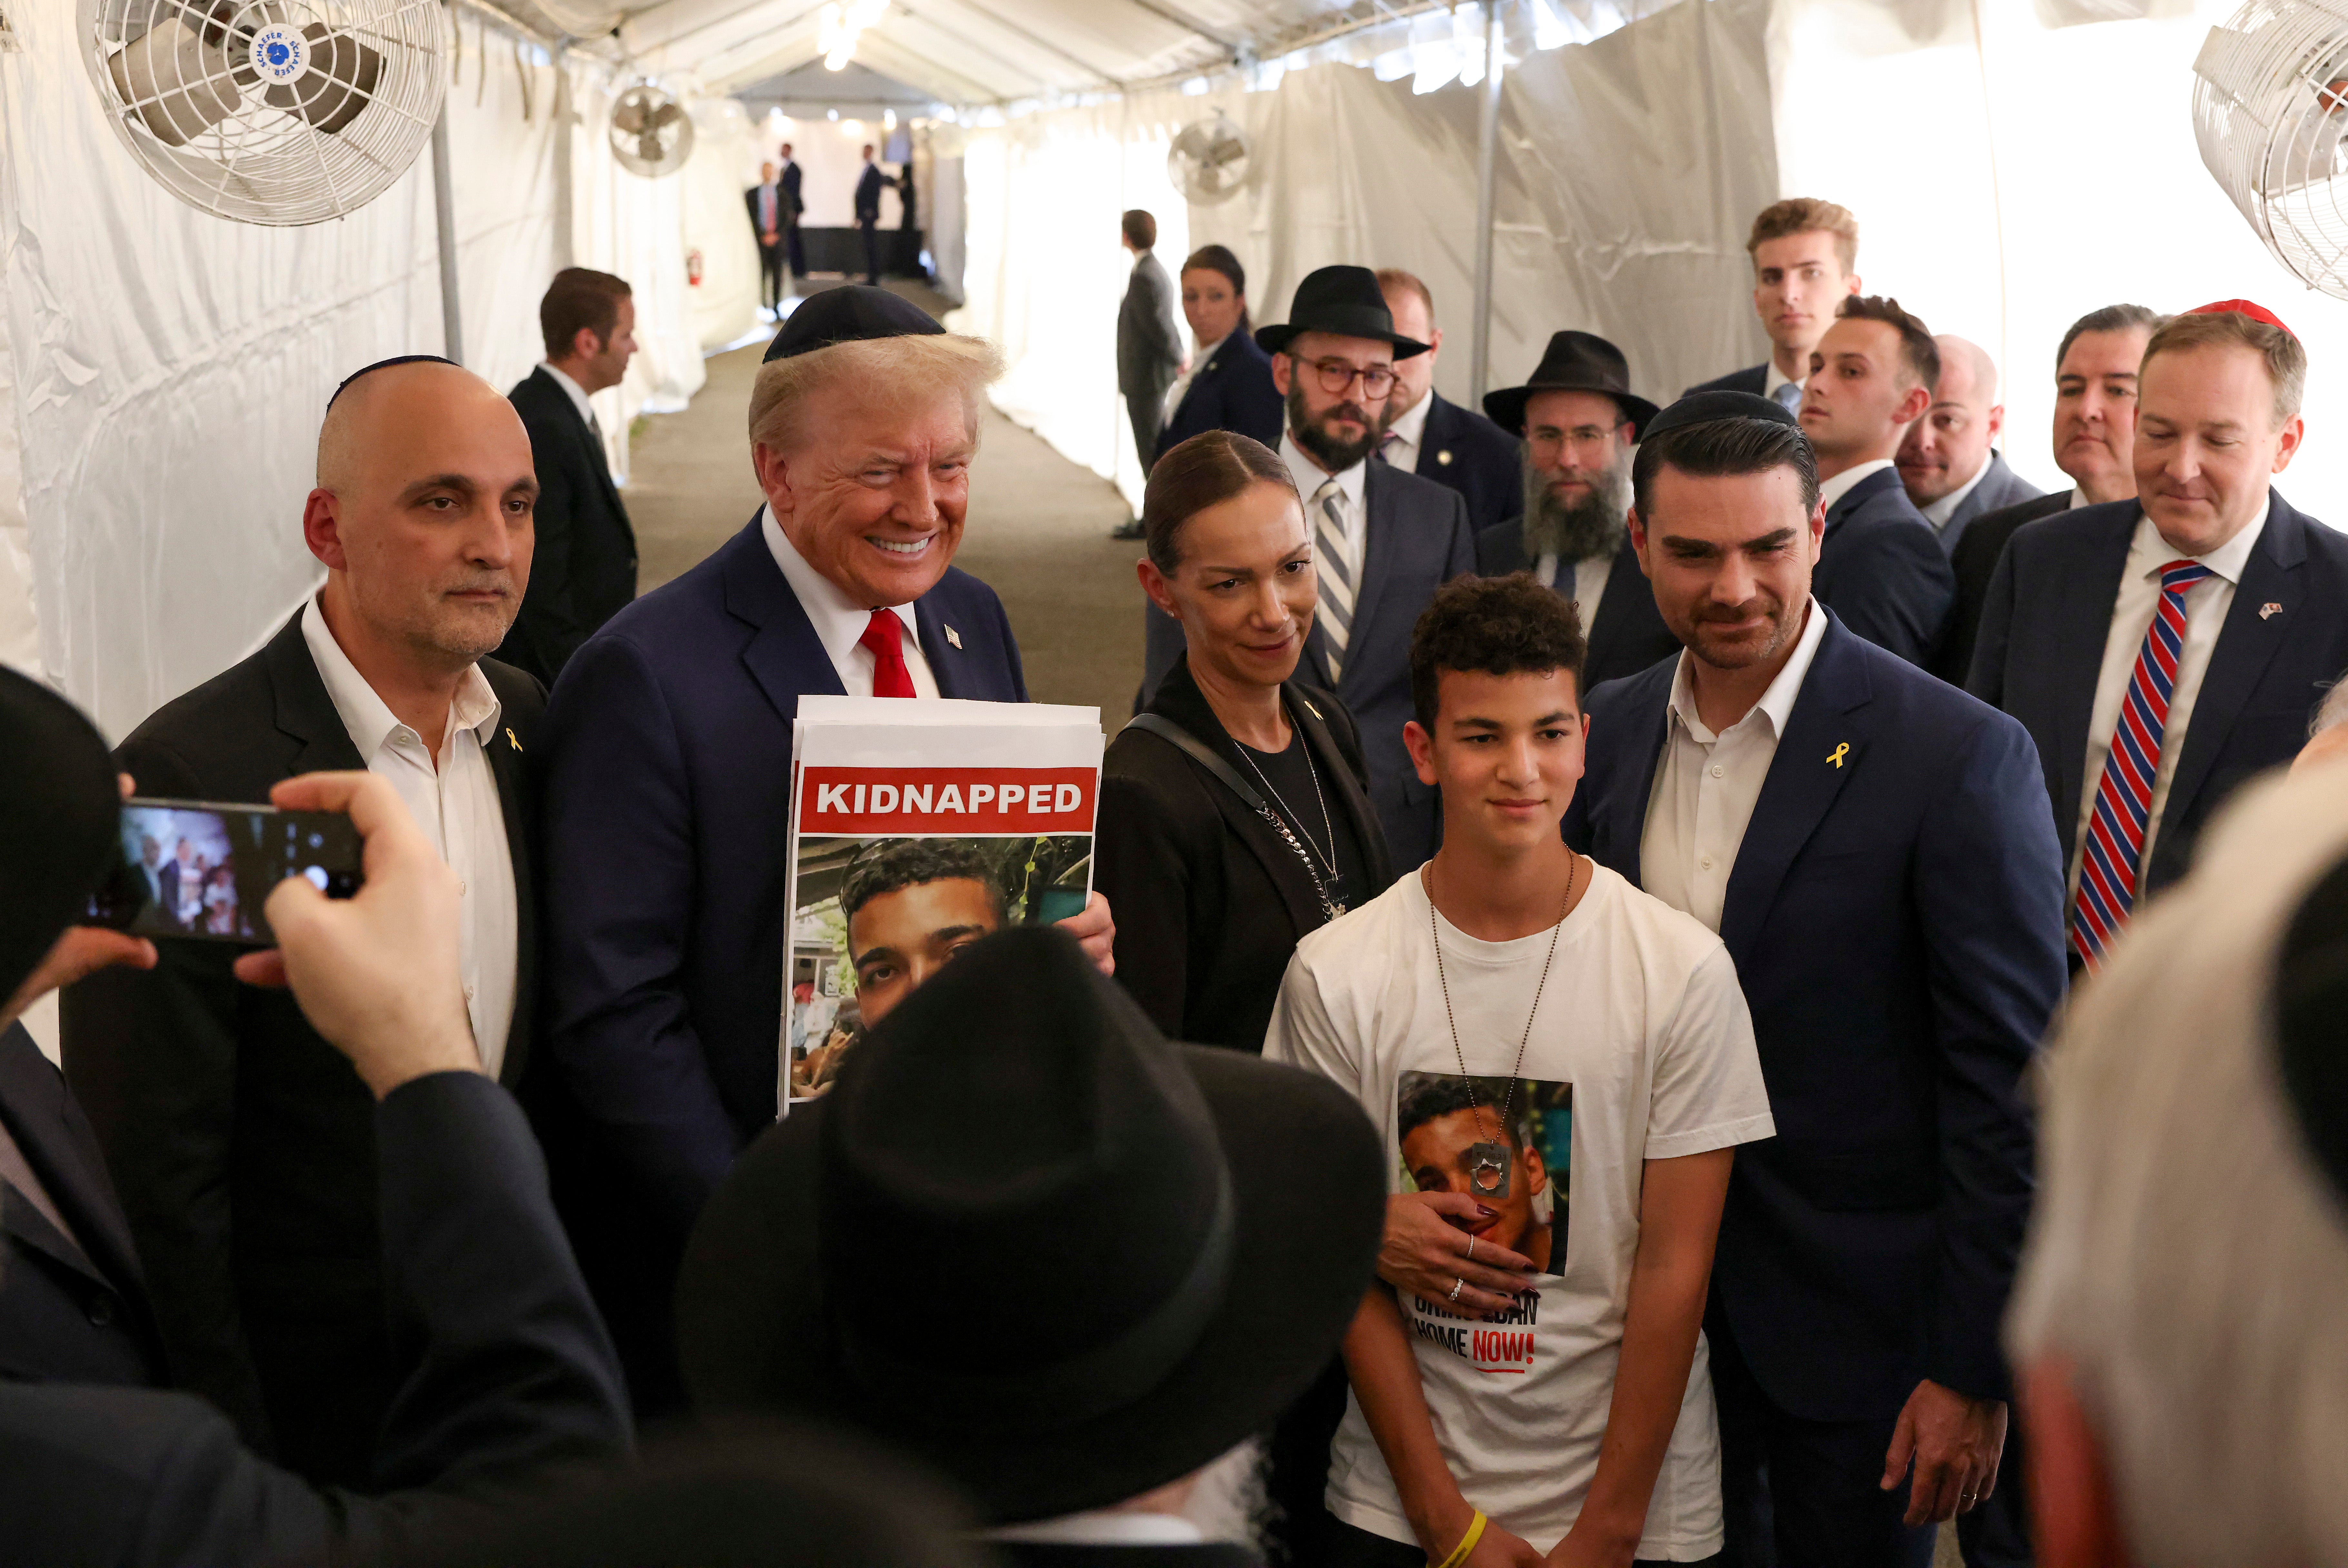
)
(1417, 540)
(867, 194)
(1468, 452)
(1232, 391)
(667, 841)
(2041, 650)
(1882, 571)
(1754, 379)
(1999, 488)
(789, 179)
(1896, 919)
(1974, 561)
(1628, 634)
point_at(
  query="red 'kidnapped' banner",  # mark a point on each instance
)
(958, 801)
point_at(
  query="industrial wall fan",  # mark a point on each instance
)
(2270, 110)
(652, 134)
(1208, 161)
(269, 111)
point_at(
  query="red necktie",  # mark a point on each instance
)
(890, 675)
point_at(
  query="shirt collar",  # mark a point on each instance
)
(1941, 511)
(577, 393)
(1139, 257)
(1776, 704)
(1106, 1527)
(1842, 484)
(1772, 378)
(2078, 499)
(2148, 552)
(1310, 478)
(366, 717)
(1412, 427)
(839, 620)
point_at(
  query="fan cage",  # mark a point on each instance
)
(275, 112)
(2270, 114)
(672, 135)
(1208, 160)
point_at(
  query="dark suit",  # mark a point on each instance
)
(1626, 633)
(1754, 379)
(166, 885)
(1975, 562)
(668, 740)
(770, 252)
(1999, 488)
(868, 218)
(1086, 1554)
(514, 1378)
(1149, 351)
(242, 1144)
(1881, 569)
(1461, 448)
(793, 210)
(1416, 539)
(1210, 899)
(582, 568)
(2041, 650)
(1896, 921)
(73, 1303)
(1232, 391)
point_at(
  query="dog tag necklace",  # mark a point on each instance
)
(1487, 1159)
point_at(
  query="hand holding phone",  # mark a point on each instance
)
(203, 870)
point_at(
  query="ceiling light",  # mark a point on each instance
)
(837, 29)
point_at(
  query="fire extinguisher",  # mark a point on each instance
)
(693, 267)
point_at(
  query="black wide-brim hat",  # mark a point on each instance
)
(1345, 300)
(1574, 362)
(764, 1293)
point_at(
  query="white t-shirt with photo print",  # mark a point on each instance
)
(1643, 1021)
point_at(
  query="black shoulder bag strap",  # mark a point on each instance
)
(1199, 752)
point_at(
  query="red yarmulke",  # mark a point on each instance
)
(2244, 307)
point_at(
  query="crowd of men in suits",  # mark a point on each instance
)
(777, 204)
(398, 1307)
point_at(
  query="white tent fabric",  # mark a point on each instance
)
(170, 367)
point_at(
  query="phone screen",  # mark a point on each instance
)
(197, 869)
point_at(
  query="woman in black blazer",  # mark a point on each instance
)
(1235, 814)
(1230, 386)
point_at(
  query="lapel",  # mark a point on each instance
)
(1859, 495)
(1180, 699)
(785, 656)
(1435, 436)
(598, 463)
(305, 711)
(948, 660)
(1337, 778)
(1625, 584)
(2073, 661)
(1381, 537)
(1802, 785)
(1641, 762)
(2247, 644)
(510, 768)
(46, 1126)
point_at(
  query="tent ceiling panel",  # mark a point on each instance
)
(857, 82)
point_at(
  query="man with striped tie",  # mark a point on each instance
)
(2162, 650)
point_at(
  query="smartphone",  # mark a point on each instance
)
(200, 870)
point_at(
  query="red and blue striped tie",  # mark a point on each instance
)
(2108, 867)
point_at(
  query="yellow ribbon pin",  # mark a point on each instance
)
(509, 739)
(1841, 752)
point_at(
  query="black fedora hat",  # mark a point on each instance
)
(1345, 300)
(1030, 1242)
(58, 816)
(1574, 362)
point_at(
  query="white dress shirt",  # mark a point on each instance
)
(1941, 511)
(2206, 604)
(578, 396)
(1583, 581)
(1105, 1527)
(1834, 489)
(453, 799)
(1351, 491)
(1706, 784)
(1407, 434)
(1181, 388)
(2078, 499)
(839, 621)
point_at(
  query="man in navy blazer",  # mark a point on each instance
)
(668, 760)
(1383, 539)
(1948, 462)
(1872, 846)
(1882, 569)
(2249, 643)
(1433, 437)
(1805, 255)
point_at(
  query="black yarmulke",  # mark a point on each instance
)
(366, 370)
(58, 821)
(2311, 999)
(1703, 408)
(849, 315)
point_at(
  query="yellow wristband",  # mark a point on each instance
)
(1467, 1543)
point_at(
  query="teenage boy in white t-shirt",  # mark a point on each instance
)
(1575, 1059)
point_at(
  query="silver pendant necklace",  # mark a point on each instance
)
(1330, 892)
(1487, 1159)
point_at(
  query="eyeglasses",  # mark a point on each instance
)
(1335, 375)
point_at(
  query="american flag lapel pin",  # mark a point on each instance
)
(953, 636)
(2269, 611)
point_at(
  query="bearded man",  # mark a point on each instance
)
(667, 763)
(1579, 420)
(1382, 540)
(242, 1144)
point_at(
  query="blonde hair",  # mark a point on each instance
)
(2186, 1257)
(892, 375)
(2284, 356)
(1807, 215)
